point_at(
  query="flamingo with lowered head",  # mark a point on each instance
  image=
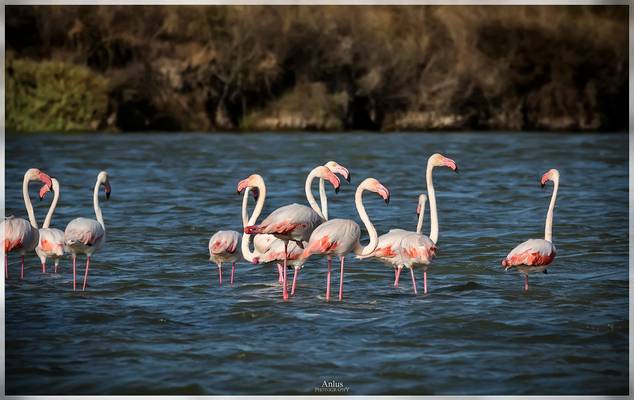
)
(85, 235)
(417, 249)
(51, 243)
(534, 255)
(341, 236)
(18, 234)
(293, 222)
(222, 248)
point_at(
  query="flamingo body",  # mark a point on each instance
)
(223, 246)
(84, 236)
(291, 222)
(19, 235)
(335, 237)
(534, 255)
(51, 245)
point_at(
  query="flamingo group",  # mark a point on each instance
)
(288, 237)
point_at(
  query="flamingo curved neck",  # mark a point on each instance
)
(548, 231)
(27, 201)
(247, 221)
(421, 216)
(51, 210)
(95, 202)
(309, 193)
(433, 213)
(371, 246)
(323, 198)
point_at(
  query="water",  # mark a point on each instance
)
(154, 320)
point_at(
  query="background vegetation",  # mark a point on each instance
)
(205, 68)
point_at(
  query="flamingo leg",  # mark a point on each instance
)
(280, 274)
(74, 280)
(219, 274)
(86, 273)
(526, 282)
(22, 270)
(425, 280)
(411, 270)
(6, 266)
(328, 278)
(341, 280)
(284, 289)
(295, 273)
(397, 276)
(44, 267)
(233, 267)
(56, 264)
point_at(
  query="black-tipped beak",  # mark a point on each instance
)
(456, 170)
(387, 200)
(337, 189)
(107, 195)
(348, 177)
(543, 185)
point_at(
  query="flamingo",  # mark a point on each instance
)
(222, 248)
(414, 248)
(19, 234)
(51, 243)
(293, 222)
(85, 235)
(275, 252)
(341, 236)
(534, 255)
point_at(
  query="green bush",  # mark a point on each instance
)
(54, 96)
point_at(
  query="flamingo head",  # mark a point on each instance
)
(103, 179)
(252, 182)
(373, 185)
(336, 168)
(422, 199)
(35, 174)
(325, 173)
(550, 175)
(438, 160)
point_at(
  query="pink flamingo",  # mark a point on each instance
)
(293, 222)
(414, 248)
(51, 243)
(19, 234)
(222, 248)
(275, 252)
(85, 235)
(341, 236)
(534, 255)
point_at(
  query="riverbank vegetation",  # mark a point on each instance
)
(209, 68)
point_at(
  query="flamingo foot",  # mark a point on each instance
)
(295, 273)
(411, 271)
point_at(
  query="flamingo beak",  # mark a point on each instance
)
(45, 179)
(384, 193)
(418, 210)
(45, 189)
(545, 179)
(108, 190)
(256, 193)
(343, 171)
(243, 184)
(332, 178)
(448, 162)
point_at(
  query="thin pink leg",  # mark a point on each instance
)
(295, 273)
(280, 274)
(526, 282)
(43, 267)
(6, 266)
(22, 270)
(341, 280)
(397, 276)
(74, 280)
(55, 266)
(86, 273)
(219, 274)
(411, 270)
(425, 281)
(285, 289)
(328, 278)
(233, 267)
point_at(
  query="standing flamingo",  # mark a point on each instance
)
(293, 222)
(222, 248)
(341, 236)
(415, 248)
(19, 234)
(534, 255)
(51, 243)
(85, 235)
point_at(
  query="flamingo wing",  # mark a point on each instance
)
(531, 252)
(83, 230)
(16, 233)
(294, 220)
(224, 242)
(416, 248)
(339, 236)
(52, 241)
